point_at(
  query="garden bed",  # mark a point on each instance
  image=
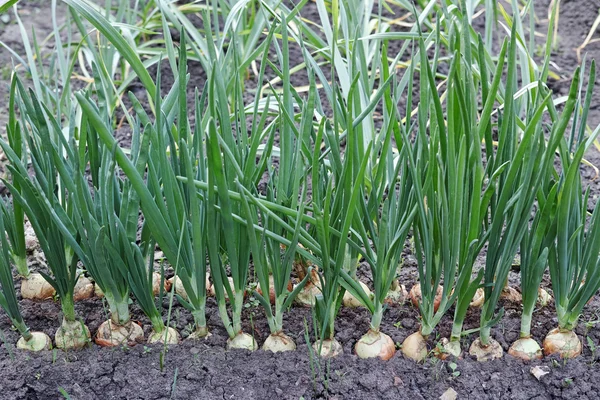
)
(204, 370)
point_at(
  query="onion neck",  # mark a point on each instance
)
(157, 324)
(119, 310)
(21, 266)
(238, 306)
(525, 325)
(200, 321)
(23, 330)
(225, 318)
(377, 317)
(68, 307)
(485, 335)
(276, 325)
(426, 330)
(456, 331)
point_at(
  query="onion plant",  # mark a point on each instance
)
(528, 156)
(33, 341)
(44, 199)
(33, 285)
(274, 271)
(448, 168)
(138, 268)
(386, 215)
(575, 259)
(287, 179)
(229, 234)
(335, 196)
(533, 249)
(95, 214)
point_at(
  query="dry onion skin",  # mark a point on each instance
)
(414, 347)
(279, 342)
(375, 344)
(562, 342)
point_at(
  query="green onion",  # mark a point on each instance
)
(527, 162)
(575, 259)
(43, 198)
(95, 215)
(33, 341)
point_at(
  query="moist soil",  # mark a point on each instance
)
(205, 370)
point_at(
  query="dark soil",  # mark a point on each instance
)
(204, 370)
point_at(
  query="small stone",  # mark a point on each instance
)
(408, 323)
(449, 394)
(398, 381)
(538, 371)
(5, 18)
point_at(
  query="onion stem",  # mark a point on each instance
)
(68, 307)
(21, 266)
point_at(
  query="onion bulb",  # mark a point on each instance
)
(511, 295)
(272, 293)
(478, 298)
(242, 341)
(526, 349)
(397, 294)
(39, 341)
(329, 349)
(375, 345)
(180, 289)
(232, 286)
(172, 337)
(72, 335)
(111, 334)
(98, 292)
(352, 302)
(35, 287)
(307, 295)
(84, 289)
(562, 342)
(448, 348)
(486, 353)
(415, 347)
(543, 297)
(199, 333)
(278, 342)
(156, 278)
(415, 296)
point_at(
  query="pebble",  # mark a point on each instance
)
(5, 18)
(408, 323)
